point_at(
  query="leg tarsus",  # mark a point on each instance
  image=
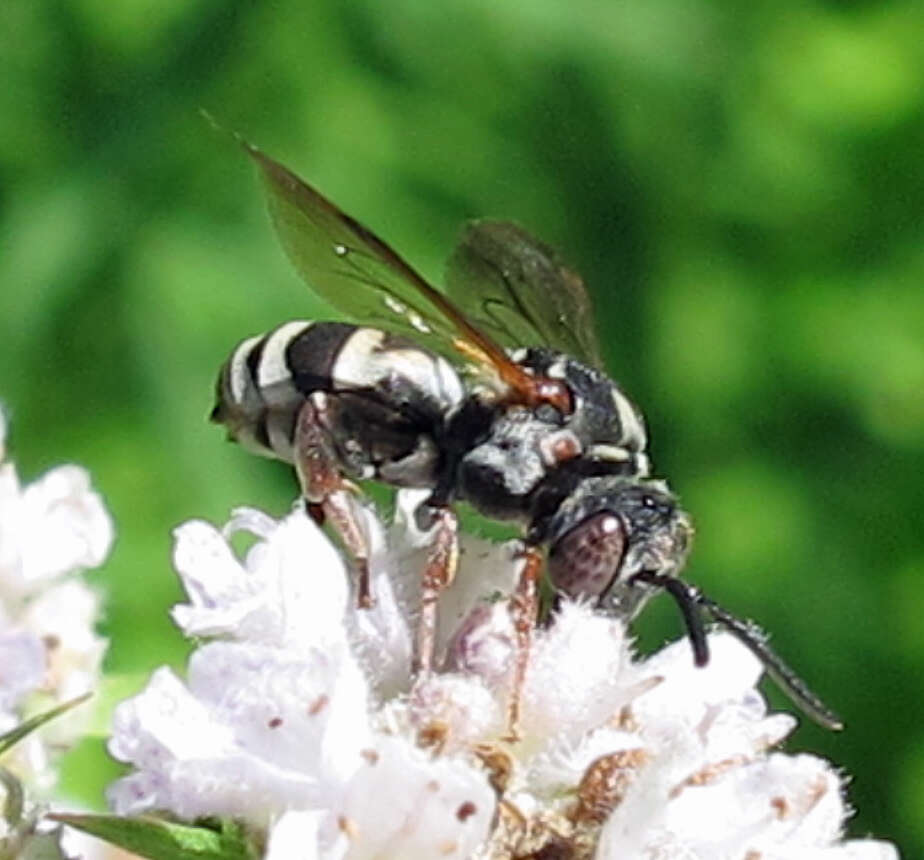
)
(439, 571)
(330, 497)
(364, 597)
(524, 610)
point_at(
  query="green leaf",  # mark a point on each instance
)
(14, 800)
(14, 736)
(165, 840)
(41, 846)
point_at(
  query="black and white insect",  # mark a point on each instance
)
(492, 392)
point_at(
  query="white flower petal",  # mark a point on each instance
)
(484, 644)
(251, 520)
(22, 666)
(463, 711)
(11, 529)
(306, 721)
(49, 650)
(64, 618)
(63, 503)
(383, 638)
(304, 711)
(165, 722)
(487, 570)
(859, 849)
(224, 597)
(296, 835)
(293, 588)
(404, 804)
(207, 567)
(779, 806)
(691, 694)
(558, 769)
(191, 762)
(577, 678)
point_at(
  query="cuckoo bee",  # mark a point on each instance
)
(490, 391)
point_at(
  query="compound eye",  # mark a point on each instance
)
(584, 561)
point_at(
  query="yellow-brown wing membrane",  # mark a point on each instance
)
(361, 276)
(515, 289)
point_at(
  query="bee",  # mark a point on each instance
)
(491, 391)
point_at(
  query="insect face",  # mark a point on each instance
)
(608, 531)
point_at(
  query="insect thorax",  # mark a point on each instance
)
(535, 456)
(396, 412)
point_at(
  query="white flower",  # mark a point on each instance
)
(55, 526)
(301, 715)
(50, 531)
(49, 652)
(279, 716)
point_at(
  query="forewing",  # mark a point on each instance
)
(342, 261)
(365, 279)
(514, 288)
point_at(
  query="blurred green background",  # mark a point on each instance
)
(741, 186)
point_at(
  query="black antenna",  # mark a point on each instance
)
(688, 602)
(689, 599)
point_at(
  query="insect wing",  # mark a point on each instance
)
(364, 278)
(514, 288)
(342, 261)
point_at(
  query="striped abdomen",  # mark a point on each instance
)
(387, 398)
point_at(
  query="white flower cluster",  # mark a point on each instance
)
(50, 531)
(300, 715)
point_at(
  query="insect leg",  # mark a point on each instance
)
(329, 496)
(525, 612)
(439, 571)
